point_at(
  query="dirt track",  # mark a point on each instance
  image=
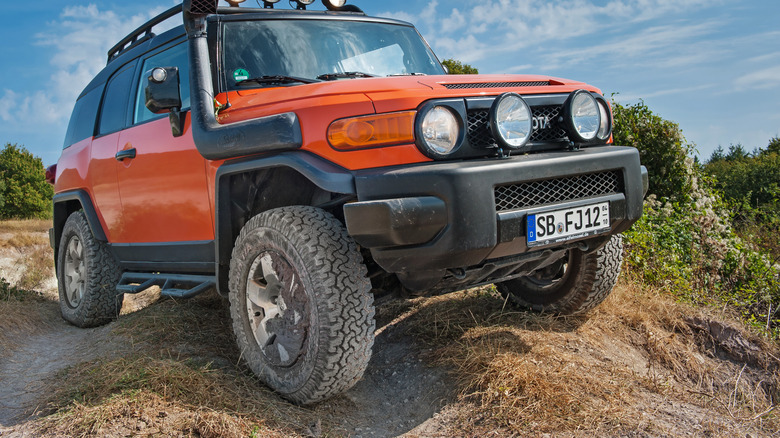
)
(406, 390)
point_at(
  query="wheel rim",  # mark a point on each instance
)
(75, 272)
(277, 308)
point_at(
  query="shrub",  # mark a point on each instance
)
(662, 148)
(26, 193)
(686, 242)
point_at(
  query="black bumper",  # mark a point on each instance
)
(438, 216)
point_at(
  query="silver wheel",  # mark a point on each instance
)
(87, 275)
(277, 308)
(75, 272)
(301, 305)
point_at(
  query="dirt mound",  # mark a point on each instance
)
(463, 364)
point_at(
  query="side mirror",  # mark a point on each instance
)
(162, 95)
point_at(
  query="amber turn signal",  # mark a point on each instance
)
(372, 131)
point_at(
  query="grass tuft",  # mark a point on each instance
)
(25, 225)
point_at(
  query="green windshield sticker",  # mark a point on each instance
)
(240, 75)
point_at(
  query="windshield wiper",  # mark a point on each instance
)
(277, 79)
(345, 75)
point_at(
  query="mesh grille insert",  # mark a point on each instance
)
(204, 6)
(530, 194)
(495, 85)
(546, 127)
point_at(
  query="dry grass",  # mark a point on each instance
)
(183, 358)
(145, 413)
(639, 364)
(24, 240)
(25, 225)
(22, 314)
(38, 268)
(598, 375)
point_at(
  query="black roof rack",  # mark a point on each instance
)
(146, 30)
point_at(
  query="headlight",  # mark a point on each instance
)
(440, 132)
(582, 116)
(511, 121)
(605, 127)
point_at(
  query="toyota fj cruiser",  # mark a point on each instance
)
(302, 162)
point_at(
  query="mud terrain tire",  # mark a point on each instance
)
(577, 284)
(300, 303)
(87, 275)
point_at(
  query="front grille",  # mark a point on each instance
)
(496, 85)
(549, 191)
(480, 136)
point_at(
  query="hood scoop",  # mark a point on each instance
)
(496, 85)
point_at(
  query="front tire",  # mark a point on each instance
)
(300, 303)
(87, 275)
(576, 284)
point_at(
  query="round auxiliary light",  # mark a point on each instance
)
(583, 116)
(305, 2)
(334, 4)
(605, 127)
(440, 132)
(159, 75)
(511, 121)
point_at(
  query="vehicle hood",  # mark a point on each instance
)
(391, 93)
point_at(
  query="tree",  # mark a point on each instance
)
(662, 148)
(773, 147)
(717, 155)
(24, 191)
(457, 68)
(737, 152)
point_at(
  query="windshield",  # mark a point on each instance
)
(325, 49)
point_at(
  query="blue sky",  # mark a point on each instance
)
(713, 66)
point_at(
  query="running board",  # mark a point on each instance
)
(172, 285)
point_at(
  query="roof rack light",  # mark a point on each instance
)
(340, 6)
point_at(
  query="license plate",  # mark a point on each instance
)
(563, 225)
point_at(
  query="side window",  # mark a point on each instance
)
(113, 112)
(176, 56)
(82, 121)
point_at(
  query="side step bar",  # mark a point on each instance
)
(172, 285)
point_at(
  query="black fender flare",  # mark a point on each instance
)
(63, 207)
(323, 174)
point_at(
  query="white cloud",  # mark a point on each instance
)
(760, 79)
(665, 92)
(79, 42)
(495, 28)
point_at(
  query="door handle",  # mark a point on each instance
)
(126, 153)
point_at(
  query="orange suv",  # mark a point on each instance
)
(305, 162)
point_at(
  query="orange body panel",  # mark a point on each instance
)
(318, 105)
(163, 190)
(167, 193)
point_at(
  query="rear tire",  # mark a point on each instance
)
(300, 302)
(87, 275)
(577, 283)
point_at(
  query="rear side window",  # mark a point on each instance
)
(176, 56)
(113, 112)
(82, 120)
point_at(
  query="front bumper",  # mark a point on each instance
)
(438, 216)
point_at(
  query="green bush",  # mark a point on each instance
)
(750, 182)
(24, 192)
(686, 242)
(662, 148)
